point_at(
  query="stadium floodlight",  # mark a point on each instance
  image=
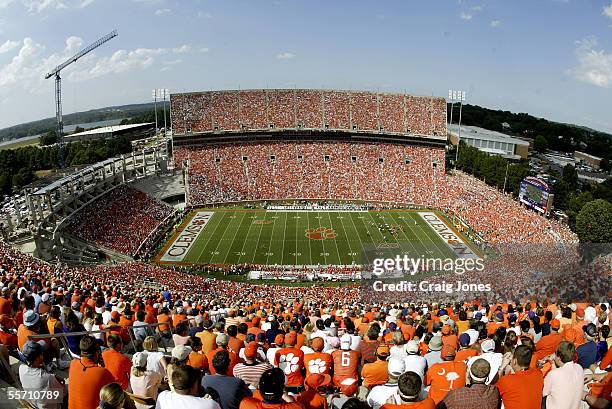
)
(165, 95)
(155, 108)
(457, 96)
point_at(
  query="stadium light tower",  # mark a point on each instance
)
(457, 96)
(58, 87)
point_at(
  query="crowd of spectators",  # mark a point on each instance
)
(307, 109)
(121, 220)
(361, 171)
(234, 345)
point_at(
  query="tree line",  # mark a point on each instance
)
(17, 166)
(546, 134)
(588, 207)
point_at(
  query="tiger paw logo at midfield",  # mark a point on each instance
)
(320, 233)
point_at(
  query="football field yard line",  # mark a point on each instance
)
(296, 239)
(413, 233)
(253, 217)
(434, 239)
(231, 244)
(220, 216)
(217, 238)
(284, 238)
(274, 218)
(361, 241)
(230, 238)
(319, 217)
(309, 241)
(353, 252)
(259, 237)
(331, 226)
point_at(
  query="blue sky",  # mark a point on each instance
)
(551, 58)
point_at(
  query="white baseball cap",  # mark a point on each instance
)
(345, 342)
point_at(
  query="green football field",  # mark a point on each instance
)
(302, 237)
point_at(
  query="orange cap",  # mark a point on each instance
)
(250, 351)
(580, 313)
(555, 324)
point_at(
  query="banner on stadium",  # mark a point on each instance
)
(185, 239)
(452, 239)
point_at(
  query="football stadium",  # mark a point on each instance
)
(293, 248)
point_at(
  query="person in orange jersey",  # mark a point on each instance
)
(445, 376)
(313, 397)
(376, 373)
(522, 387)
(319, 361)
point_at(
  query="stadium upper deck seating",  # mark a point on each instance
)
(307, 109)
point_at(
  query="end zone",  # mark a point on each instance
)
(182, 242)
(452, 239)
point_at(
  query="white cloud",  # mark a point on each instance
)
(204, 49)
(37, 6)
(27, 69)
(24, 66)
(607, 11)
(476, 8)
(466, 16)
(85, 3)
(5, 3)
(172, 62)
(285, 56)
(182, 49)
(162, 12)
(120, 62)
(8, 46)
(204, 14)
(595, 66)
(495, 23)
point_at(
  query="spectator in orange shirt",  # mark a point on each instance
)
(5, 302)
(208, 337)
(87, 376)
(164, 320)
(445, 376)
(31, 327)
(409, 390)
(376, 373)
(118, 364)
(319, 361)
(367, 346)
(222, 341)
(465, 351)
(178, 317)
(548, 343)
(197, 359)
(291, 360)
(312, 397)
(234, 344)
(448, 338)
(522, 387)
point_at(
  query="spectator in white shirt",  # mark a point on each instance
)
(563, 385)
(413, 361)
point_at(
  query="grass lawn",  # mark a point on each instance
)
(309, 237)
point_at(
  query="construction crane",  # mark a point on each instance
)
(58, 88)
